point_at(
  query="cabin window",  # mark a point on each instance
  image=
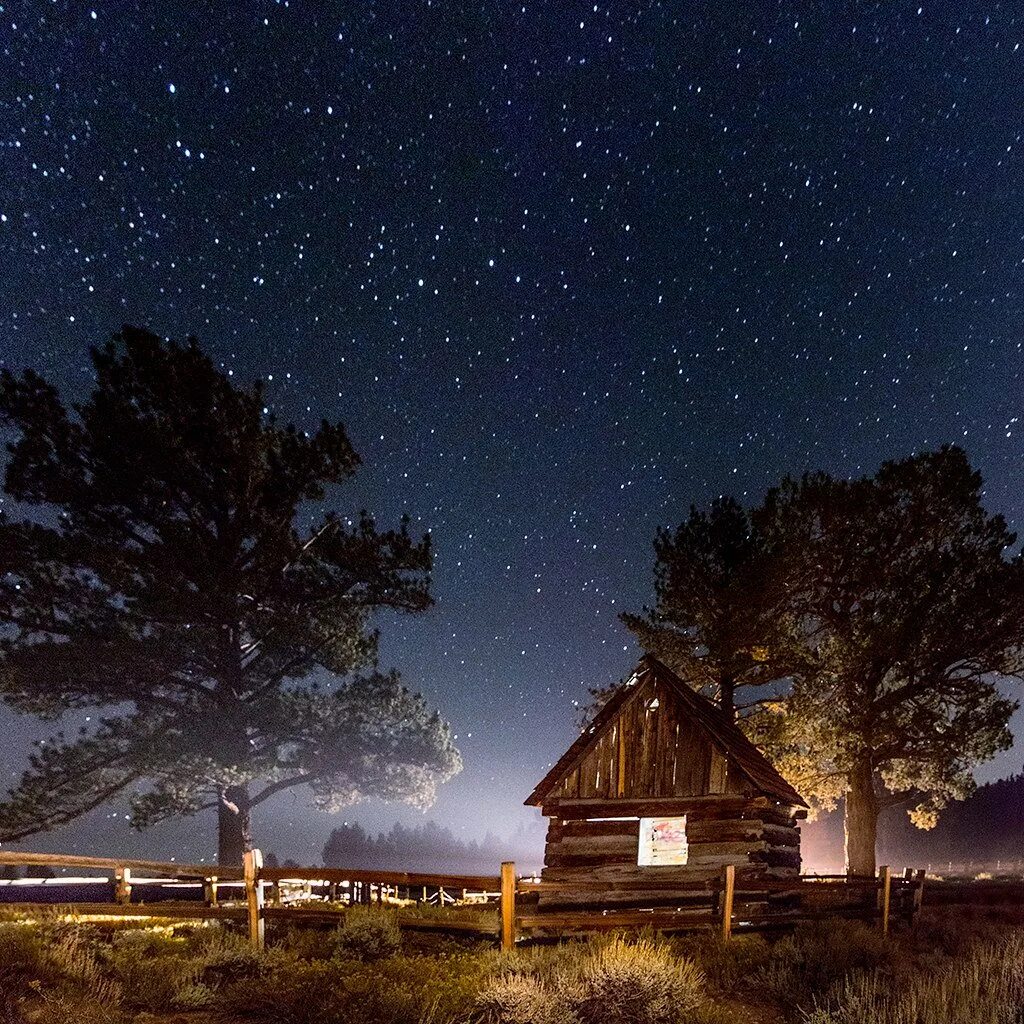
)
(662, 841)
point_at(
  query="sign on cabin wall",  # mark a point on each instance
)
(662, 841)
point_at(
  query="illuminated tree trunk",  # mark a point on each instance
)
(861, 820)
(234, 833)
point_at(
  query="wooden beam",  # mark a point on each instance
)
(728, 892)
(122, 884)
(485, 883)
(254, 898)
(668, 806)
(210, 890)
(918, 893)
(620, 776)
(508, 905)
(110, 864)
(885, 896)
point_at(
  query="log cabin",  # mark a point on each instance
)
(662, 785)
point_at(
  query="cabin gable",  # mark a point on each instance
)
(649, 748)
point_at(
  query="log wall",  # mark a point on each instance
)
(759, 838)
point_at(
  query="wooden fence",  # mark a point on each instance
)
(727, 903)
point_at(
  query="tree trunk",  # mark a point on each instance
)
(861, 820)
(234, 833)
(727, 695)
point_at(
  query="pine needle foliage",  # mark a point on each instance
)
(181, 573)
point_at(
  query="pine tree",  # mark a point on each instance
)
(720, 616)
(865, 621)
(907, 592)
(179, 572)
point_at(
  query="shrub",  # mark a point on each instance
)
(816, 957)
(69, 1010)
(364, 934)
(21, 957)
(607, 982)
(726, 965)
(635, 983)
(395, 990)
(367, 935)
(307, 944)
(302, 993)
(521, 999)
(72, 957)
(442, 986)
(222, 956)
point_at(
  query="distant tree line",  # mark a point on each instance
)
(986, 828)
(427, 847)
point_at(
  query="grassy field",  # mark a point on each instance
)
(954, 968)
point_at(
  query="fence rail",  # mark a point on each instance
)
(727, 903)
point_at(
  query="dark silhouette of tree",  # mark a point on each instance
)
(984, 829)
(720, 619)
(183, 575)
(906, 592)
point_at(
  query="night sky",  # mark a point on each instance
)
(561, 268)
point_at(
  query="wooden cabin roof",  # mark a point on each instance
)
(719, 727)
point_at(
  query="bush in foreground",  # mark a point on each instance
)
(612, 982)
(367, 935)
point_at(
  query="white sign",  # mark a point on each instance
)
(662, 841)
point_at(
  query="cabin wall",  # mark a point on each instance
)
(758, 837)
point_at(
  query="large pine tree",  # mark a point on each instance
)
(864, 623)
(907, 591)
(179, 572)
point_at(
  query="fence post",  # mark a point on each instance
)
(254, 897)
(905, 900)
(885, 896)
(918, 894)
(508, 905)
(122, 884)
(728, 892)
(210, 890)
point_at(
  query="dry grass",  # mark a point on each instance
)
(964, 968)
(985, 986)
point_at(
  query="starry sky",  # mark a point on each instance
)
(561, 268)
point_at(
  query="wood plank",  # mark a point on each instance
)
(663, 920)
(179, 909)
(708, 806)
(623, 846)
(111, 864)
(585, 827)
(645, 883)
(485, 883)
(508, 906)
